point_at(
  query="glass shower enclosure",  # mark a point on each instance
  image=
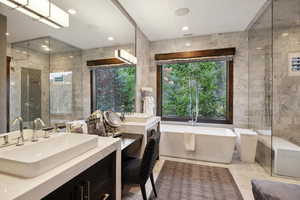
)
(274, 86)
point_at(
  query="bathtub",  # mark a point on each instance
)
(211, 144)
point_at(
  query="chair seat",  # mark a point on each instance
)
(131, 171)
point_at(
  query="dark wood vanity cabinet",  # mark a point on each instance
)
(96, 183)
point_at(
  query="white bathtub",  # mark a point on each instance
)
(211, 144)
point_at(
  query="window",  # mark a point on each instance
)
(61, 85)
(196, 88)
(114, 89)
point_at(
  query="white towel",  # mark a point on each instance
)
(149, 105)
(189, 142)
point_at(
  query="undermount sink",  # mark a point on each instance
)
(35, 159)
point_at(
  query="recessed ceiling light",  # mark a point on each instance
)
(71, 57)
(72, 11)
(285, 34)
(182, 11)
(7, 34)
(111, 38)
(187, 44)
(44, 46)
(259, 48)
(185, 28)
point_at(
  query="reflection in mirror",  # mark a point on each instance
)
(50, 77)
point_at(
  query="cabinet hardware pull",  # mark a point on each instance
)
(88, 189)
(104, 197)
(81, 193)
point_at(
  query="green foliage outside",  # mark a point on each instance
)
(182, 82)
(115, 89)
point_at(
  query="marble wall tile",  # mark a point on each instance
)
(143, 66)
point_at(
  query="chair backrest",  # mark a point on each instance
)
(156, 135)
(149, 159)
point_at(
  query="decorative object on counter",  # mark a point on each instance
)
(95, 124)
(148, 101)
(112, 122)
(79, 126)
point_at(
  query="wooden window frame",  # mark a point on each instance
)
(198, 54)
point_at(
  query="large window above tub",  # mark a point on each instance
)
(201, 87)
(113, 88)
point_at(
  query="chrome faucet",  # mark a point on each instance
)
(194, 111)
(21, 138)
(35, 126)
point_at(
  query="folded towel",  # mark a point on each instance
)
(77, 127)
(149, 105)
(189, 142)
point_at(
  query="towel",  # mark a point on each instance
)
(77, 127)
(149, 105)
(189, 142)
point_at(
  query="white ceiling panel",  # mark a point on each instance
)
(158, 20)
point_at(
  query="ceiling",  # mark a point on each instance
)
(158, 21)
(95, 21)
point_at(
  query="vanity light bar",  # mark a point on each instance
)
(41, 10)
(125, 56)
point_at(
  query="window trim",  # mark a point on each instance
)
(230, 72)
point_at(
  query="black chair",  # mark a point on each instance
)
(156, 134)
(137, 171)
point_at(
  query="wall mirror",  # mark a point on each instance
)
(49, 73)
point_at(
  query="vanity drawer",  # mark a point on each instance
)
(96, 183)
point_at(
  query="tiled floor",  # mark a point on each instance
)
(243, 173)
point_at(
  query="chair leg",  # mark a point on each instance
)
(143, 189)
(153, 184)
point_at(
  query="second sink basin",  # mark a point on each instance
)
(35, 159)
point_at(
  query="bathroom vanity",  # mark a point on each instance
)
(142, 126)
(96, 183)
(94, 174)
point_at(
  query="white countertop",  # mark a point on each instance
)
(12, 187)
(139, 127)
